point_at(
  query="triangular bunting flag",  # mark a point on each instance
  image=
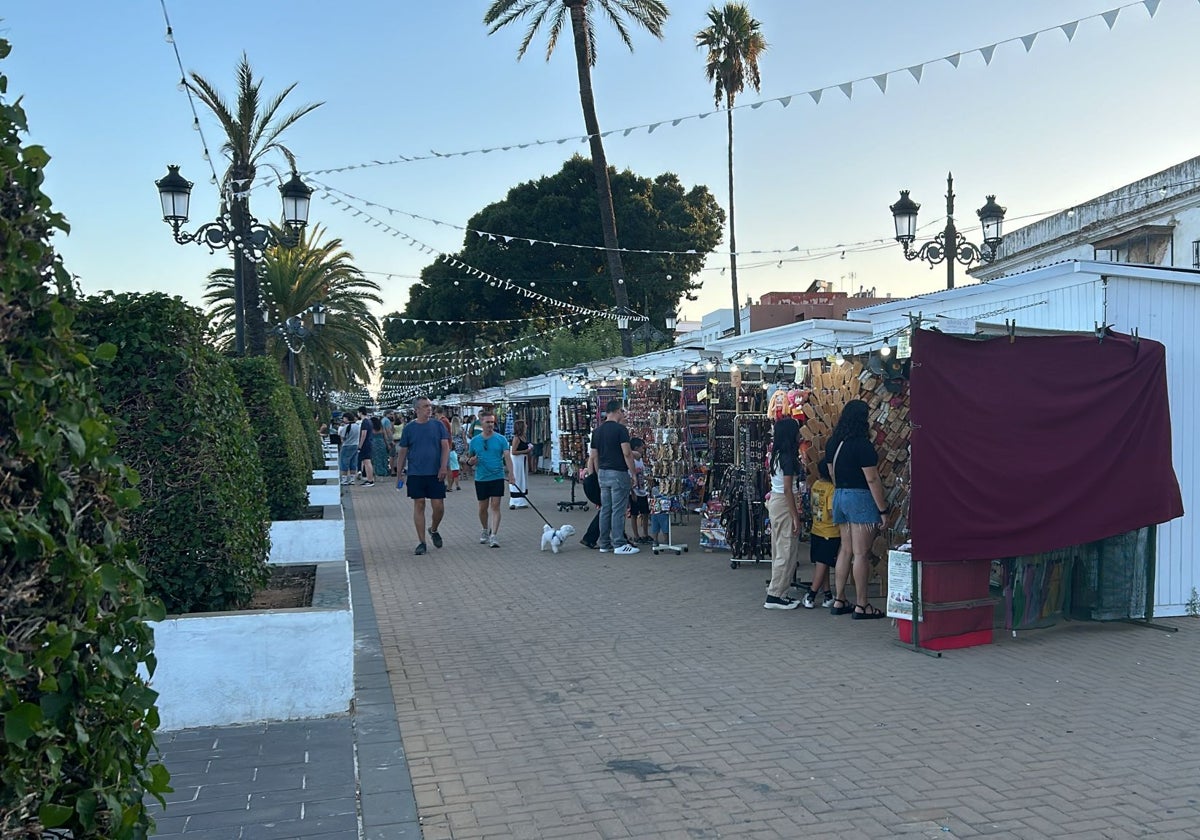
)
(915, 71)
(1028, 40)
(953, 59)
(1069, 29)
(754, 106)
(987, 53)
(1151, 6)
(1110, 17)
(847, 88)
(816, 95)
(786, 101)
(881, 82)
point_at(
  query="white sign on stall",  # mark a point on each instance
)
(900, 585)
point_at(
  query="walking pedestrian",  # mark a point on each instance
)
(366, 436)
(424, 447)
(612, 460)
(491, 456)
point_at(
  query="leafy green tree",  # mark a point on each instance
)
(252, 129)
(79, 718)
(292, 281)
(569, 348)
(734, 43)
(658, 214)
(202, 530)
(282, 452)
(650, 15)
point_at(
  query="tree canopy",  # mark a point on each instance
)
(657, 214)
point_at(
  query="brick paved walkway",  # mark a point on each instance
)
(596, 696)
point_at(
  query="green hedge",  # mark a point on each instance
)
(282, 454)
(309, 427)
(78, 719)
(203, 532)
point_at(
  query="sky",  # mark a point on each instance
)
(1043, 128)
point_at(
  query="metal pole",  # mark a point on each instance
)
(951, 232)
(291, 366)
(239, 312)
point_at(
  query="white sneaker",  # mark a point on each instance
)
(493, 542)
(483, 537)
(626, 549)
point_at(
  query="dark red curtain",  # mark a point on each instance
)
(1037, 443)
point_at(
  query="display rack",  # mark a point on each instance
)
(575, 421)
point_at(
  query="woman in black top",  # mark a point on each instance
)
(858, 505)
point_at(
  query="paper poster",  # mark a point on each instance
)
(900, 585)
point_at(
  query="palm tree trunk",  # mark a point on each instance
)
(608, 218)
(737, 312)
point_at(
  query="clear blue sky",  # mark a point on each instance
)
(1043, 130)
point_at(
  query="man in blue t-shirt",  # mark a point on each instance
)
(424, 446)
(490, 454)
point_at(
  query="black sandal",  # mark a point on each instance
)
(868, 611)
(843, 609)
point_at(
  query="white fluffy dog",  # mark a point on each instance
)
(555, 539)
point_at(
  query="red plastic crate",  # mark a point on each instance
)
(954, 580)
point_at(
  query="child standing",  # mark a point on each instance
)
(639, 496)
(452, 482)
(660, 514)
(826, 538)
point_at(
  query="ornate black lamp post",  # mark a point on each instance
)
(293, 332)
(949, 245)
(238, 231)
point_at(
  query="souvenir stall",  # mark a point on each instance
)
(735, 516)
(1065, 547)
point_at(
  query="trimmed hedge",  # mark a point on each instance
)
(203, 531)
(79, 720)
(312, 435)
(283, 457)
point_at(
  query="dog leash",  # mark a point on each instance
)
(525, 496)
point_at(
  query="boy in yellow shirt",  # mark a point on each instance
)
(825, 539)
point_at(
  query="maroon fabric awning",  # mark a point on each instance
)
(1036, 444)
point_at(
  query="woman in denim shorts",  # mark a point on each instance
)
(858, 506)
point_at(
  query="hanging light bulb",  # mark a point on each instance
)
(674, 382)
(733, 368)
(765, 385)
(885, 350)
(695, 368)
(710, 365)
(838, 358)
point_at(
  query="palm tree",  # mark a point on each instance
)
(734, 44)
(292, 280)
(650, 15)
(251, 131)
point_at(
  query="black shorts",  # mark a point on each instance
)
(493, 489)
(639, 505)
(425, 487)
(824, 549)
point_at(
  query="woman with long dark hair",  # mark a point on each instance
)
(781, 507)
(858, 505)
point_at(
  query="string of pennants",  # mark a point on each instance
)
(847, 88)
(435, 321)
(509, 238)
(474, 351)
(476, 365)
(492, 280)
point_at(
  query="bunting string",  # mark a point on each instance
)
(847, 88)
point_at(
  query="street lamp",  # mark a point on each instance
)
(293, 332)
(236, 230)
(948, 246)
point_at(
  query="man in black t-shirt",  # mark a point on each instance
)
(611, 459)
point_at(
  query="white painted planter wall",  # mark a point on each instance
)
(309, 540)
(324, 494)
(216, 669)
